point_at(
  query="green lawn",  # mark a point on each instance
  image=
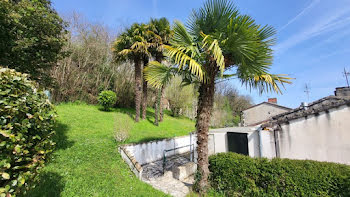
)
(86, 161)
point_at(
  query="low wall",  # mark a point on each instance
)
(135, 166)
(153, 151)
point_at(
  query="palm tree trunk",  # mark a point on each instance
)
(161, 114)
(158, 99)
(144, 92)
(137, 88)
(156, 110)
(205, 106)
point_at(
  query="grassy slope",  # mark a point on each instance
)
(87, 163)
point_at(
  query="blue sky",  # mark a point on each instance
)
(313, 39)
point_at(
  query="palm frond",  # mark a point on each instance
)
(181, 36)
(212, 17)
(158, 74)
(183, 60)
(212, 45)
(266, 82)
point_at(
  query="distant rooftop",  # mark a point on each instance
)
(269, 103)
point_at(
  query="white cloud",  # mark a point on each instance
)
(328, 22)
(304, 11)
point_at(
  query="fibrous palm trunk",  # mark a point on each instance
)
(205, 106)
(161, 105)
(158, 108)
(137, 88)
(144, 92)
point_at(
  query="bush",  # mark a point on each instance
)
(26, 126)
(239, 175)
(107, 99)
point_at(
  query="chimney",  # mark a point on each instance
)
(342, 91)
(272, 100)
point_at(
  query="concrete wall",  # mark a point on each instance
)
(260, 113)
(268, 148)
(152, 151)
(325, 137)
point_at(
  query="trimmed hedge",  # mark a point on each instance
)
(238, 175)
(27, 119)
(107, 99)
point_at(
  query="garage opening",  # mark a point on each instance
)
(238, 143)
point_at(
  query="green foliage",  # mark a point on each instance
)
(179, 97)
(228, 104)
(32, 36)
(216, 38)
(26, 127)
(132, 43)
(107, 99)
(239, 175)
(89, 68)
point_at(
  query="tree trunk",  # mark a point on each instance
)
(205, 106)
(161, 114)
(158, 98)
(137, 88)
(157, 107)
(144, 99)
(144, 92)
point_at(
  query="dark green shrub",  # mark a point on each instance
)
(239, 175)
(26, 125)
(107, 99)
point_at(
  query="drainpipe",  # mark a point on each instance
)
(260, 143)
(277, 146)
(191, 147)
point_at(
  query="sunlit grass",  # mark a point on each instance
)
(86, 161)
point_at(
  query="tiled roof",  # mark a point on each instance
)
(313, 108)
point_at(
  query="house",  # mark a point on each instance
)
(316, 131)
(260, 113)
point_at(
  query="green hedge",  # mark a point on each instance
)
(27, 119)
(239, 175)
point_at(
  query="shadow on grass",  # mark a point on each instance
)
(102, 109)
(50, 185)
(131, 113)
(61, 138)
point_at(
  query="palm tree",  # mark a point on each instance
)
(161, 35)
(144, 89)
(132, 45)
(219, 39)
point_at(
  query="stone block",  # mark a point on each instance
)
(184, 171)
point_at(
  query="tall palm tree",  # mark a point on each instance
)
(217, 39)
(144, 89)
(161, 35)
(132, 45)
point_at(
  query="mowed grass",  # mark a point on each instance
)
(86, 161)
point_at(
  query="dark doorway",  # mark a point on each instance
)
(238, 143)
